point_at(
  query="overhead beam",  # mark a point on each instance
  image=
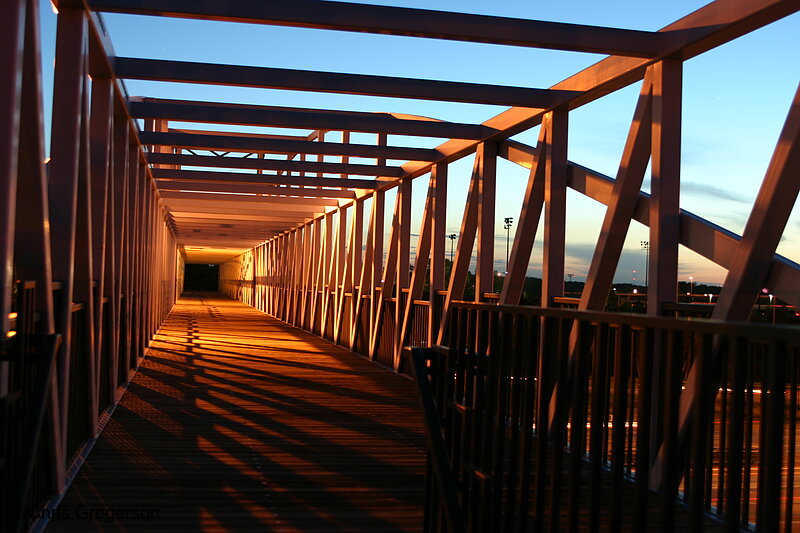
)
(180, 216)
(234, 208)
(274, 179)
(708, 27)
(253, 207)
(303, 119)
(403, 21)
(202, 218)
(281, 146)
(239, 134)
(278, 192)
(273, 164)
(335, 82)
(252, 198)
(219, 242)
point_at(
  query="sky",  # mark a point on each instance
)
(735, 100)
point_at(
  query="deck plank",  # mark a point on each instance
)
(237, 422)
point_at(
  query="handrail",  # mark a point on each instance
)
(761, 331)
(601, 396)
(23, 468)
(437, 451)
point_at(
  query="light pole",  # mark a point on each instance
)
(452, 238)
(772, 306)
(646, 247)
(507, 225)
(570, 276)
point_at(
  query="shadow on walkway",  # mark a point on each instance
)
(237, 422)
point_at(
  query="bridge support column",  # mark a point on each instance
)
(555, 204)
(665, 184)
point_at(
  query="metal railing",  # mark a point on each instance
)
(27, 470)
(560, 419)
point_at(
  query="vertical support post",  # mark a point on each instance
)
(387, 278)
(379, 206)
(345, 158)
(366, 280)
(438, 232)
(11, 58)
(665, 184)
(555, 205)
(357, 244)
(341, 256)
(420, 271)
(68, 83)
(403, 236)
(466, 241)
(487, 178)
(32, 231)
(83, 275)
(126, 258)
(100, 143)
(382, 140)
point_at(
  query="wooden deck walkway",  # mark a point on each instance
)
(237, 422)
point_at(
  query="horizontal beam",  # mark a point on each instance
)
(401, 21)
(239, 134)
(308, 203)
(222, 232)
(220, 205)
(288, 220)
(274, 190)
(280, 146)
(335, 82)
(273, 164)
(215, 243)
(304, 119)
(191, 227)
(274, 179)
(189, 218)
(207, 206)
(268, 201)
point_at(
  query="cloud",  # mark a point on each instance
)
(702, 190)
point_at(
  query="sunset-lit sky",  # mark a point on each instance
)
(735, 102)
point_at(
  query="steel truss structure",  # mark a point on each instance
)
(94, 237)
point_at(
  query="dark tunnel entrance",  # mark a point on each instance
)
(201, 277)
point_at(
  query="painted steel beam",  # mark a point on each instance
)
(177, 202)
(403, 21)
(707, 28)
(180, 217)
(279, 146)
(239, 134)
(251, 198)
(272, 190)
(267, 179)
(209, 161)
(303, 119)
(335, 82)
(753, 258)
(288, 216)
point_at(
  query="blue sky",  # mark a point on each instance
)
(735, 101)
